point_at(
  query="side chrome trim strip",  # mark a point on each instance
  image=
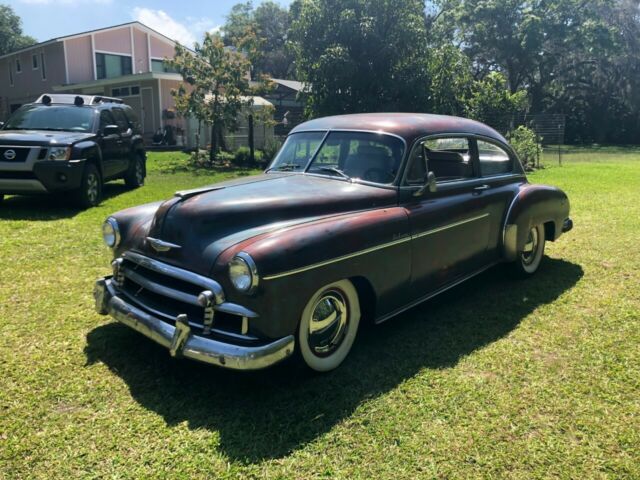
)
(429, 296)
(338, 259)
(373, 249)
(451, 225)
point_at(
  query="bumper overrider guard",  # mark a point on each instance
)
(179, 338)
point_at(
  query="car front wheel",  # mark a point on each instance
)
(329, 325)
(530, 257)
(90, 192)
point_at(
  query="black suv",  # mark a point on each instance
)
(71, 143)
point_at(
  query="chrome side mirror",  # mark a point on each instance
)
(429, 184)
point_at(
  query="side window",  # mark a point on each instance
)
(417, 170)
(449, 158)
(493, 159)
(134, 122)
(106, 119)
(121, 120)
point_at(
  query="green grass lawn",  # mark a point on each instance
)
(495, 379)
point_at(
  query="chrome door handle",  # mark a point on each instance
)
(481, 188)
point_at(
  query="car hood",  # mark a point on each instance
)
(41, 137)
(203, 223)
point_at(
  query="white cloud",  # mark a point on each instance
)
(160, 21)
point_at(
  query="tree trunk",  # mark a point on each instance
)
(214, 143)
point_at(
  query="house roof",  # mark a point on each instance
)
(292, 84)
(74, 35)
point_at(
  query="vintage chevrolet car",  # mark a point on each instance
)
(357, 217)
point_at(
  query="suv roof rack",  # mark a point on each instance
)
(71, 99)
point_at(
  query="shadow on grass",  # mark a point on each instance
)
(268, 414)
(50, 207)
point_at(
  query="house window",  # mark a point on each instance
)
(125, 91)
(160, 66)
(110, 66)
(10, 76)
(34, 62)
(18, 66)
(43, 70)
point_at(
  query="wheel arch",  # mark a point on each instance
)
(533, 205)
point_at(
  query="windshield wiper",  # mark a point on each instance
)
(285, 167)
(335, 170)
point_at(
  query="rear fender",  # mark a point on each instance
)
(533, 205)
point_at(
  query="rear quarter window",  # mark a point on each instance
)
(494, 160)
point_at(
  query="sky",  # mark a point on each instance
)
(183, 20)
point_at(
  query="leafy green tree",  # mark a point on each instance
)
(11, 37)
(493, 103)
(262, 34)
(361, 55)
(216, 86)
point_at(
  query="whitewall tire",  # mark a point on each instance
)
(530, 257)
(329, 325)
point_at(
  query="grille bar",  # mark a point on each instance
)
(158, 288)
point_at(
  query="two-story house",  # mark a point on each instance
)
(124, 61)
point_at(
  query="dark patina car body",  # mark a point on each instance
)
(444, 199)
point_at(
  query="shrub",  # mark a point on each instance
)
(242, 157)
(525, 142)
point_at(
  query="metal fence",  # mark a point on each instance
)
(548, 127)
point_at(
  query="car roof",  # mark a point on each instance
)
(408, 126)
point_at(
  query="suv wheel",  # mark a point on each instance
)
(90, 192)
(135, 176)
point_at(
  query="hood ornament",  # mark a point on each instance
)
(161, 245)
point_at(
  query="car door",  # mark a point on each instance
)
(126, 134)
(501, 175)
(450, 228)
(110, 145)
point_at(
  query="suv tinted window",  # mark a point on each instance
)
(106, 119)
(134, 122)
(493, 159)
(121, 120)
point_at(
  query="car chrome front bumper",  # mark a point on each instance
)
(181, 342)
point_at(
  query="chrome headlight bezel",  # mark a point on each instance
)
(243, 273)
(111, 233)
(59, 153)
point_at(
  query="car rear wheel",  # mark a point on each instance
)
(135, 175)
(90, 192)
(530, 257)
(329, 325)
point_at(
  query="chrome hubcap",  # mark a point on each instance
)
(531, 247)
(92, 187)
(328, 324)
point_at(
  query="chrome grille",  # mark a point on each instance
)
(166, 292)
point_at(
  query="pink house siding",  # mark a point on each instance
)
(160, 49)
(79, 59)
(114, 41)
(141, 55)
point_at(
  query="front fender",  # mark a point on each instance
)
(533, 205)
(293, 263)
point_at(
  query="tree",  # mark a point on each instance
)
(11, 37)
(217, 86)
(361, 55)
(493, 103)
(262, 34)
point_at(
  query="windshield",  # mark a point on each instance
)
(374, 157)
(53, 117)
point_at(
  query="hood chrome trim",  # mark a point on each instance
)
(161, 245)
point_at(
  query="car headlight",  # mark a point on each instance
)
(243, 273)
(59, 153)
(111, 232)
